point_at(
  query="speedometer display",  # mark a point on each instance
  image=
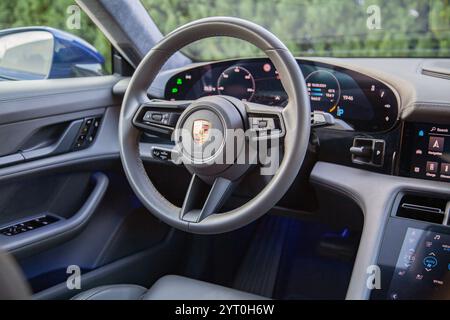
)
(362, 102)
(237, 82)
(324, 91)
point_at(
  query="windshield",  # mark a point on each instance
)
(329, 28)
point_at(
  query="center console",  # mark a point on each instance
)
(415, 252)
(414, 261)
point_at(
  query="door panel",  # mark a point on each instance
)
(49, 226)
(105, 147)
(48, 125)
(25, 100)
(57, 134)
(95, 219)
(22, 199)
(119, 228)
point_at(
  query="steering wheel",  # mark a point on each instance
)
(212, 182)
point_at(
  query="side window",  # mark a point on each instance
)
(42, 39)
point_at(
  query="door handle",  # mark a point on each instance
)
(64, 143)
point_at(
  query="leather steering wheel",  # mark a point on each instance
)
(200, 214)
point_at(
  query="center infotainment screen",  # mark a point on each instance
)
(426, 152)
(422, 270)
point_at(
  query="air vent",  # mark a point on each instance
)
(428, 209)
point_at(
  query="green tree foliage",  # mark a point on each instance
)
(409, 28)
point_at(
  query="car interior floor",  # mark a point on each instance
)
(277, 257)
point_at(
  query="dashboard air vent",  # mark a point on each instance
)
(423, 208)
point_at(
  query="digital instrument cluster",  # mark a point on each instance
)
(364, 103)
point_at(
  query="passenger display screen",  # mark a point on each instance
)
(426, 152)
(422, 270)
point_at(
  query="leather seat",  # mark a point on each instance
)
(167, 288)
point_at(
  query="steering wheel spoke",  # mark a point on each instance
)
(159, 116)
(203, 200)
(265, 122)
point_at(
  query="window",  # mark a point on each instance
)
(46, 39)
(329, 28)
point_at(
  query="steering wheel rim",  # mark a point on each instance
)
(296, 117)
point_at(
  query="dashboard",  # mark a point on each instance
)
(416, 146)
(398, 116)
(396, 138)
(364, 103)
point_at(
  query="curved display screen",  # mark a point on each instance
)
(363, 102)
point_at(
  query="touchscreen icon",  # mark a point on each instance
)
(436, 144)
(432, 167)
(430, 262)
(445, 168)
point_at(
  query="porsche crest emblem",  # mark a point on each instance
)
(200, 131)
